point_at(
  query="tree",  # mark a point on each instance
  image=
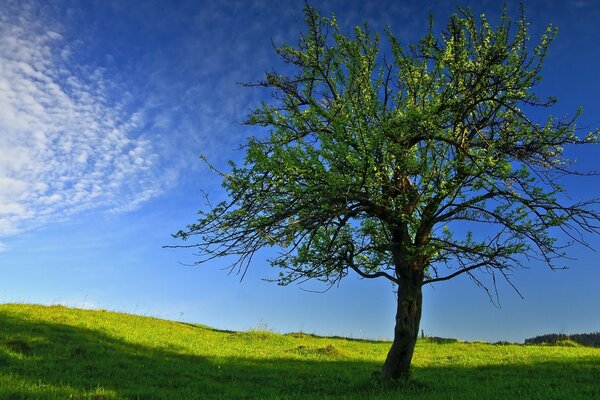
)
(416, 165)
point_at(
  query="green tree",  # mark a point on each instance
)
(417, 165)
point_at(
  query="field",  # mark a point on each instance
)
(61, 353)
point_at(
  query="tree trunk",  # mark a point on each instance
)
(408, 317)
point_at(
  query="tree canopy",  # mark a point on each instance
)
(413, 163)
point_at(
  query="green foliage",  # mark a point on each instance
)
(62, 353)
(583, 339)
(374, 159)
(567, 343)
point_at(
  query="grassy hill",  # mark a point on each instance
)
(61, 353)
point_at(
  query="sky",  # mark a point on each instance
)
(106, 106)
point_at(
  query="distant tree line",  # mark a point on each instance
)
(584, 339)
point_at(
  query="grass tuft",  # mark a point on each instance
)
(326, 351)
(17, 346)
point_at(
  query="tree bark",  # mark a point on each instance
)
(408, 318)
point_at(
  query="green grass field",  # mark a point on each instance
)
(61, 353)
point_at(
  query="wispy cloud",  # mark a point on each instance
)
(66, 143)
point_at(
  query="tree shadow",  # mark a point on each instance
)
(43, 360)
(54, 360)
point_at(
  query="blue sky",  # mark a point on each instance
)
(105, 107)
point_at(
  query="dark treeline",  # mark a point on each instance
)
(584, 339)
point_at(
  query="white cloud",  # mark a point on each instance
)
(65, 144)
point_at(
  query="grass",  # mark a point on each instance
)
(62, 353)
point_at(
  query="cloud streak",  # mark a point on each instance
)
(66, 145)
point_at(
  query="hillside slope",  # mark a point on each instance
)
(59, 353)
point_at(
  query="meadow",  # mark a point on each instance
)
(62, 353)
